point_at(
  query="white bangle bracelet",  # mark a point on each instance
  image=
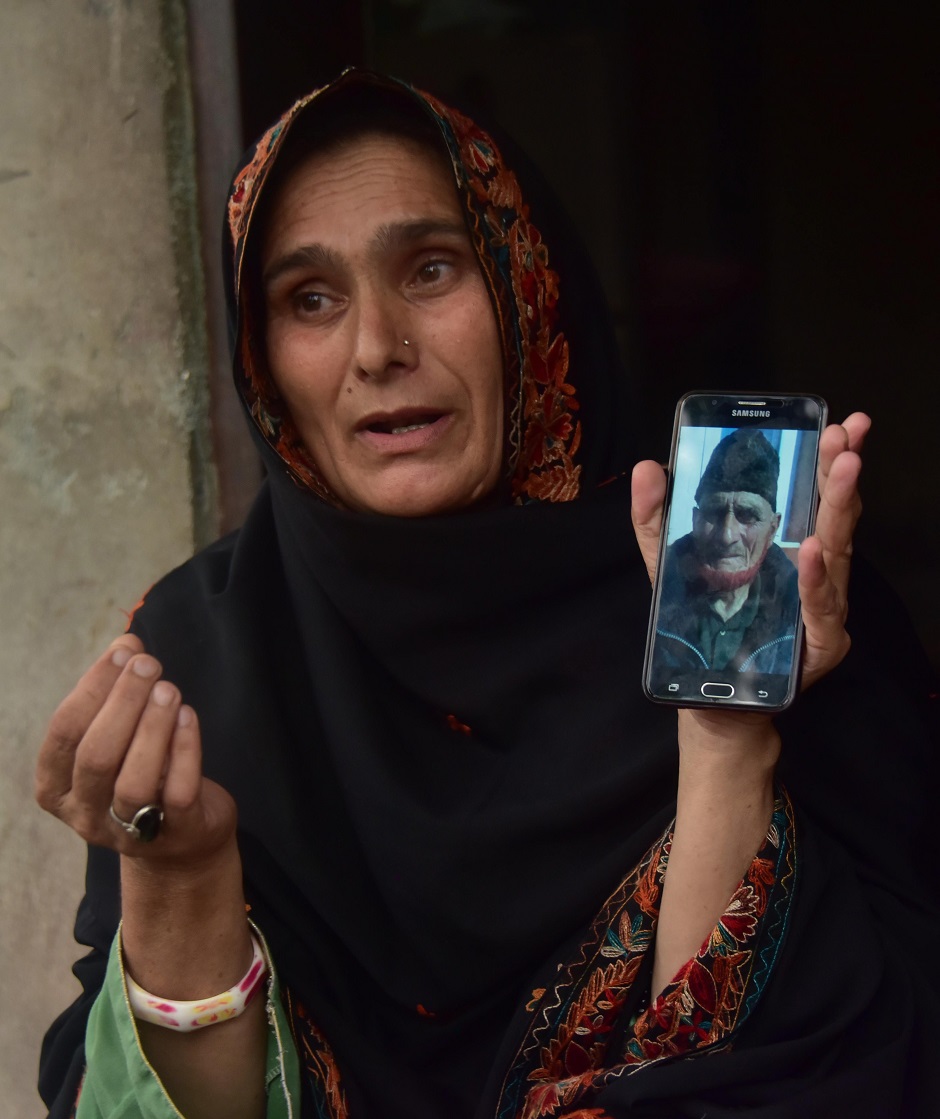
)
(187, 1016)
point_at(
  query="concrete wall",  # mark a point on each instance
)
(100, 408)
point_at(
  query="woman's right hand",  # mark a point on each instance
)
(123, 737)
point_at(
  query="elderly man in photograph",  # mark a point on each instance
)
(729, 593)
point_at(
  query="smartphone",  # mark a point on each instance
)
(725, 627)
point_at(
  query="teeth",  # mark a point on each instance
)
(409, 427)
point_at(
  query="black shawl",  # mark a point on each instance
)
(445, 769)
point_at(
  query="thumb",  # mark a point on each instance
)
(648, 494)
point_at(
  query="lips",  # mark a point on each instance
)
(404, 430)
(713, 558)
(401, 422)
(719, 561)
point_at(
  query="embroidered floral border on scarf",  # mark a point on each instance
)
(571, 1051)
(316, 1057)
(578, 1042)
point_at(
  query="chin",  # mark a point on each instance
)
(407, 507)
(405, 501)
(720, 579)
(419, 494)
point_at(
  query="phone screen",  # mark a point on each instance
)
(725, 626)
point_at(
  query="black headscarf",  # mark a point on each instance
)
(443, 762)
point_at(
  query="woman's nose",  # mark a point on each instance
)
(382, 344)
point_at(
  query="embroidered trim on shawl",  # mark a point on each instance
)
(544, 436)
(265, 404)
(577, 1042)
(318, 1062)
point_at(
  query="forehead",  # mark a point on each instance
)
(729, 499)
(362, 182)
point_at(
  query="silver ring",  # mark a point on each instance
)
(145, 825)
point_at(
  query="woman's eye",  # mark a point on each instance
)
(311, 302)
(432, 271)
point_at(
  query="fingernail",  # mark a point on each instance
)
(163, 693)
(146, 666)
(185, 716)
(121, 656)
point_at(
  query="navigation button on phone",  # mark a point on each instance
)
(717, 691)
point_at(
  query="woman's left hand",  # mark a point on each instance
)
(824, 557)
(727, 758)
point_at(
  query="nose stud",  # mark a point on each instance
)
(405, 342)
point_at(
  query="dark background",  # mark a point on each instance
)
(757, 185)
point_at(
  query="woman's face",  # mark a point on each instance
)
(380, 333)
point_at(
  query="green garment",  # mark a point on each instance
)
(119, 1081)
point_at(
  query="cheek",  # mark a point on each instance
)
(300, 370)
(757, 539)
(488, 359)
(474, 351)
(282, 360)
(478, 330)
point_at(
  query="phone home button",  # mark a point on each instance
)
(717, 691)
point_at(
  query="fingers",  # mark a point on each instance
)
(73, 718)
(183, 782)
(105, 744)
(825, 558)
(123, 738)
(140, 776)
(109, 743)
(196, 808)
(840, 507)
(857, 425)
(824, 612)
(847, 436)
(648, 495)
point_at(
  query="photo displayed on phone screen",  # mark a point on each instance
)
(725, 626)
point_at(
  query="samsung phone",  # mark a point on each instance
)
(725, 627)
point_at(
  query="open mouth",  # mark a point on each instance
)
(403, 423)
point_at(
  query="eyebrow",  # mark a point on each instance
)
(396, 234)
(306, 256)
(750, 505)
(390, 236)
(743, 503)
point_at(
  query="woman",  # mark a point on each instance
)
(414, 672)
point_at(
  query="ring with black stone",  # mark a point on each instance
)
(145, 826)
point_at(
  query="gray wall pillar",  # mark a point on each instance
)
(103, 473)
